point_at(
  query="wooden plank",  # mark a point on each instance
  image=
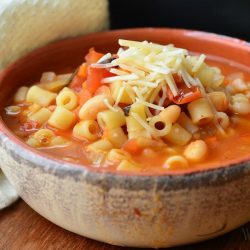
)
(22, 228)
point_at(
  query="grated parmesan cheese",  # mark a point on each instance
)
(150, 105)
(102, 65)
(106, 102)
(142, 122)
(198, 63)
(144, 83)
(120, 78)
(130, 92)
(172, 85)
(119, 96)
(104, 58)
(146, 68)
(133, 70)
(118, 72)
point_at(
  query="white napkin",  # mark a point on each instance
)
(28, 24)
(8, 194)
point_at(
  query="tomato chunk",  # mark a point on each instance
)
(93, 56)
(94, 78)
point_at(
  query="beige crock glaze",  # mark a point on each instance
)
(140, 211)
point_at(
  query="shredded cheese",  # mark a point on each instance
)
(119, 78)
(102, 65)
(119, 96)
(161, 70)
(145, 69)
(142, 122)
(150, 105)
(163, 98)
(106, 102)
(198, 63)
(204, 94)
(118, 72)
(104, 58)
(144, 83)
(132, 70)
(188, 79)
(171, 84)
(154, 94)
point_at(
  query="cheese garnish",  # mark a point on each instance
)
(142, 122)
(119, 95)
(145, 68)
(106, 102)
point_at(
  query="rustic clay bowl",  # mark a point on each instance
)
(139, 211)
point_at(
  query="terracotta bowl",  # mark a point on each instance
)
(138, 211)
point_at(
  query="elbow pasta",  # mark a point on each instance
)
(139, 110)
(186, 123)
(116, 136)
(87, 129)
(21, 94)
(126, 165)
(62, 118)
(176, 162)
(219, 100)
(200, 111)
(40, 96)
(100, 145)
(93, 106)
(41, 116)
(117, 155)
(111, 119)
(67, 99)
(178, 135)
(160, 126)
(170, 114)
(127, 97)
(196, 151)
(44, 136)
(55, 86)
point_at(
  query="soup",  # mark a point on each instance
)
(149, 108)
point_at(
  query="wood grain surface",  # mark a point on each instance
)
(22, 228)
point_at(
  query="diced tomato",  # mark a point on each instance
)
(83, 96)
(94, 78)
(82, 72)
(103, 90)
(132, 146)
(184, 97)
(186, 94)
(93, 56)
(76, 83)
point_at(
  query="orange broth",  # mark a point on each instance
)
(222, 150)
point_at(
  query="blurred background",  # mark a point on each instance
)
(228, 17)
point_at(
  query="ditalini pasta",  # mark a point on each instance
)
(148, 108)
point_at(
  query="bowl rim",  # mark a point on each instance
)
(18, 149)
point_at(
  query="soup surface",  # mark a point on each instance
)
(148, 109)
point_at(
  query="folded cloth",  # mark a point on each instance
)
(8, 194)
(28, 24)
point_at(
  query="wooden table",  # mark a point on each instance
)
(22, 228)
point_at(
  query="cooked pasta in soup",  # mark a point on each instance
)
(149, 108)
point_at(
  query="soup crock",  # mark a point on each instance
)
(126, 210)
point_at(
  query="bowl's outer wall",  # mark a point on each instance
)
(136, 210)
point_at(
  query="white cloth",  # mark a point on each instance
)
(28, 24)
(8, 194)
